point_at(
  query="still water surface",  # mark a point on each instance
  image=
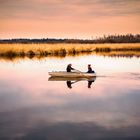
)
(32, 107)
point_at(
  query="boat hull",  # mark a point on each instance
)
(72, 74)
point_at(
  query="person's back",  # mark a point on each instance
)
(69, 68)
(90, 69)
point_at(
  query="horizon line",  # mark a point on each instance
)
(74, 38)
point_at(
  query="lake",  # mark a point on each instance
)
(34, 107)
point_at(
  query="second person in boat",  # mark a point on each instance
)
(69, 68)
(90, 69)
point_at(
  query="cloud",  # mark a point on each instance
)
(64, 18)
(78, 8)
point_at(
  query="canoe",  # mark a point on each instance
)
(71, 74)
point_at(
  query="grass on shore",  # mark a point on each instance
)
(30, 50)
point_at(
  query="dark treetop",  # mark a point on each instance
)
(129, 38)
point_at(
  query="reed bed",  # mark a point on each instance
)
(31, 50)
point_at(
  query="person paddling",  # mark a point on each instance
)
(90, 69)
(69, 68)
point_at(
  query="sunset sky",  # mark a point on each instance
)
(68, 18)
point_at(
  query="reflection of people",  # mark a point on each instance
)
(69, 84)
(90, 69)
(90, 83)
(69, 68)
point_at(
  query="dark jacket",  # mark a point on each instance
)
(69, 68)
(90, 70)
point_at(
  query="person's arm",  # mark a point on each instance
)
(72, 68)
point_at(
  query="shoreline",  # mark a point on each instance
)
(62, 50)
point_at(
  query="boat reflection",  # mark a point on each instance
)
(71, 81)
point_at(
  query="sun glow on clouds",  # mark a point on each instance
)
(81, 19)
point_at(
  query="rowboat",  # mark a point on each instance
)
(72, 74)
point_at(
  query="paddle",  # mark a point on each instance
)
(78, 71)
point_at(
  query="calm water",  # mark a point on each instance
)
(32, 107)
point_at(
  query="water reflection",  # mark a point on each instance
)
(31, 107)
(71, 81)
(113, 54)
(90, 81)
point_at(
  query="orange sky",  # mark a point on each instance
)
(68, 19)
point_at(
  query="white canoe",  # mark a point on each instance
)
(71, 74)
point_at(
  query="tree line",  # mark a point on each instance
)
(128, 38)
